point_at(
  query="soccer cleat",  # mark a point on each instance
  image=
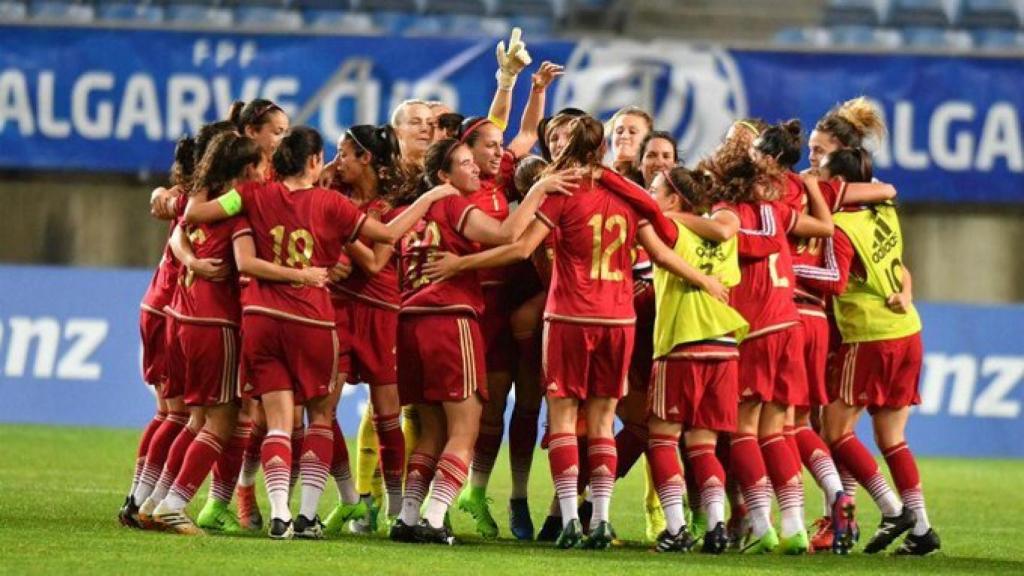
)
(519, 521)
(343, 513)
(699, 525)
(922, 545)
(216, 516)
(715, 540)
(427, 534)
(146, 520)
(280, 529)
(738, 528)
(178, 523)
(571, 536)
(550, 530)
(794, 544)
(307, 529)
(654, 522)
(477, 504)
(823, 537)
(889, 529)
(766, 544)
(680, 542)
(402, 532)
(599, 538)
(128, 515)
(584, 513)
(249, 517)
(844, 524)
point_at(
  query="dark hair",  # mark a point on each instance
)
(450, 122)
(381, 144)
(783, 142)
(184, 161)
(206, 135)
(736, 176)
(225, 159)
(852, 121)
(469, 130)
(635, 171)
(438, 158)
(528, 171)
(696, 187)
(850, 164)
(296, 147)
(586, 142)
(544, 125)
(256, 113)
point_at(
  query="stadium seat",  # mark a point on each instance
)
(534, 25)
(121, 11)
(476, 7)
(325, 19)
(65, 11)
(941, 38)
(918, 13)
(853, 13)
(268, 17)
(418, 6)
(807, 37)
(398, 22)
(12, 11)
(864, 37)
(998, 39)
(477, 26)
(989, 14)
(516, 8)
(198, 13)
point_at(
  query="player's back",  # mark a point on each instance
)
(765, 293)
(592, 281)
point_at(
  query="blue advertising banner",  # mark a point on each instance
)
(70, 354)
(116, 100)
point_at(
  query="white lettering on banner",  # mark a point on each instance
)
(14, 102)
(351, 81)
(959, 157)
(188, 98)
(49, 125)
(961, 370)
(139, 108)
(1001, 139)
(88, 126)
(71, 361)
(903, 147)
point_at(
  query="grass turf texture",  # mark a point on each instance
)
(60, 489)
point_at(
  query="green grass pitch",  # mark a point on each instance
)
(60, 489)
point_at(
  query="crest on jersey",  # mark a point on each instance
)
(692, 92)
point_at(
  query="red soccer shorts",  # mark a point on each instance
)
(174, 385)
(153, 329)
(881, 374)
(373, 335)
(643, 344)
(287, 355)
(440, 358)
(497, 333)
(698, 393)
(210, 367)
(343, 327)
(816, 343)
(582, 360)
(772, 368)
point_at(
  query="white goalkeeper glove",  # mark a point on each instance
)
(512, 61)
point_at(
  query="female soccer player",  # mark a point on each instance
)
(266, 123)
(627, 129)
(879, 359)
(290, 344)
(588, 321)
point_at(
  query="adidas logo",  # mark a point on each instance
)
(552, 387)
(673, 410)
(863, 396)
(601, 470)
(275, 461)
(248, 387)
(309, 456)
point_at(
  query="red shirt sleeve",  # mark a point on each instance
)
(247, 191)
(832, 192)
(551, 210)
(456, 210)
(764, 241)
(343, 213)
(240, 227)
(641, 203)
(839, 257)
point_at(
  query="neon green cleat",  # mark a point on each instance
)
(477, 504)
(699, 525)
(217, 517)
(342, 513)
(795, 544)
(766, 544)
(654, 522)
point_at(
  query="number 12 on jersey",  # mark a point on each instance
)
(601, 255)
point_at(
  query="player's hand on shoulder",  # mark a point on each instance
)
(438, 192)
(213, 269)
(442, 266)
(565, 182)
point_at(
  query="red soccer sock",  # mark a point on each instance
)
(140, 455)
(854, 456)
(563, 457)
(522, 439)
(748, 467)
(784, 471)
(603, 461)
(298, 433)
(156, 454)
(417, 481)
(667, 474)
(392, 457)
(276, 454)
(709, 479)
(789, 433)
(816, 456)
(199, 459)
(317, 454)
(341, 470)
(449, 478)
(175, 460)
(229, 465)
(905, 475)
(488, 442)
(630, 444)
(251, 460)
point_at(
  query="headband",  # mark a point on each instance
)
(471, 128)
(672, 185)
(749, 126)
(355, 139)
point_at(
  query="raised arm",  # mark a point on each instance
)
(251, 265)
(510, 63)
(534, 111)
(665, 257)
(446, 265)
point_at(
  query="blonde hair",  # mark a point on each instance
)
(863, 116)
(398, 115)
(630, 111)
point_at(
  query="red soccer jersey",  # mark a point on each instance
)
(439, 231)
(492, 198)
(594, 231)
(764, 295)
(380, 289)
(201, 301)
(812, 252)
(161, 286)
(297, 228)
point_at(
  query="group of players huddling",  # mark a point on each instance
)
(735, 316)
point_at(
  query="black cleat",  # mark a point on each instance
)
(584, 513)
(680, 542)
(571, 536)
(402, 532)
(427, 534)
(519, 521)
(600, 538)
(307, 529)
(891, 528)
(280, 529)
(922, 545)
(715, 540)
(550, 530)
(128, 515)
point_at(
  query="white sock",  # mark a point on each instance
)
(347, 490)
(674, 519)
(922, 526)
(601, 505)
(279, 505)
(434, 514)
(568, 507)
(172, 503)
(792, 520)
(716, 513)
(889, 504)
(760, 521)
(310, 500)
(410, 513)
